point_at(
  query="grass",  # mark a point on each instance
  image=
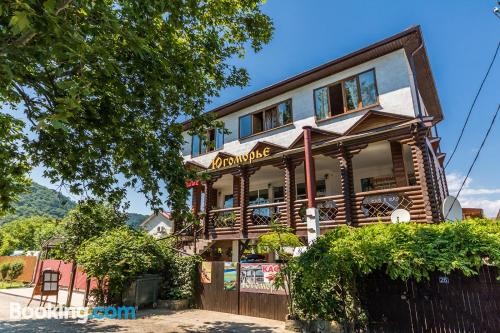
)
(11, 284)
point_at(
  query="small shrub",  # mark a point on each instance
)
(16, 269)
(4, 270)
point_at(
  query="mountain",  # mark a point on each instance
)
(43, 201)
(135, 220)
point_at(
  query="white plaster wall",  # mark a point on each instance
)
(158, 221)
(393, 77)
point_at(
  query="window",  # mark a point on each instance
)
(350, 94)
(320, 189)
(264, 120)
(259, 197)
(278, 194)
(228, 201)
(189, 198)
(214, 141)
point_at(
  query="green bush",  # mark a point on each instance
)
(179, 273)
(116, 257)
(327, 276)
(16, 269)
(4, 270)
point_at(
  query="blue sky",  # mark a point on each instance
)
(460, 37)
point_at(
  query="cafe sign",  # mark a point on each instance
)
(221, 162)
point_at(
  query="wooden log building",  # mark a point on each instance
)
(347, 142)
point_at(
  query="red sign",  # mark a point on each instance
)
(192, 183)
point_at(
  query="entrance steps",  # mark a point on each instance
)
(201, 246)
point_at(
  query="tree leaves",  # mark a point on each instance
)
(326, 276)
(13, 163)
(104, 84)
(19, 22)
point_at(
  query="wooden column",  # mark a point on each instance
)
(346, 178)
(289, 167)
(236, 191)
(208, 205)
(196, 199)
(244, 189)
(310, 171)
(398, 164)
(423, 176)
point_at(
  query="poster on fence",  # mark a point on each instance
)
(259, 278)
(206, 272)
(230, 277)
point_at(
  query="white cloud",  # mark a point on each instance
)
(474, 197)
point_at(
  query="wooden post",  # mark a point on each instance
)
(196, 199)
(236, 191)
(208, 205)
(423, 177)
(398, 164)
(346, 178)
(71, 283)
(244, 189)
(309, 169)
(289, 167)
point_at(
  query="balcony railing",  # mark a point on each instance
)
(330, 208)
(366, 207)
(225, 218)
(379, 204)
(264, 214)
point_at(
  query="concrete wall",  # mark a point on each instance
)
(393, 77)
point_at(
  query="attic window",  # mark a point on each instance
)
(351, 94)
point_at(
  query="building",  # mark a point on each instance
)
(347, 142)
(472, 213)
(158, 225)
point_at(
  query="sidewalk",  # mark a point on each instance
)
(76, 300)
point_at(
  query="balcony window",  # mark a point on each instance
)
(214, 141)
(265, 120)
(228, 201)
(278, 194)
(320, 189)
(354, 93)
(259, 197)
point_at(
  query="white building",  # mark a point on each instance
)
(158, 225)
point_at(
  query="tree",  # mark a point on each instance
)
(89, 219)
(26, 234)
(13, 162)
(118, 255)
(104, 84)
(282, 240)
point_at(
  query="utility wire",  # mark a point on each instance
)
(474, 161)
(472, 106)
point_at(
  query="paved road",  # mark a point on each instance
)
(156, 321)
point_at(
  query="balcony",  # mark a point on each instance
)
(375, 181)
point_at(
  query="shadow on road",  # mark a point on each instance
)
(227, 326)
(55, 325)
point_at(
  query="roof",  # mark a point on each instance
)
(166, 215)
(410, 40)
